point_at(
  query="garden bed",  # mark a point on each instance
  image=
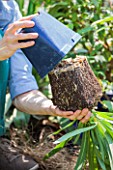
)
(36, 142)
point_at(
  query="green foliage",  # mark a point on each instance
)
(96, 144)
(108, 104)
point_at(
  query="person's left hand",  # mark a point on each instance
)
(34, 102)
(82, 115)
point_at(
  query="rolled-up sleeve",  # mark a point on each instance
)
(21, 79)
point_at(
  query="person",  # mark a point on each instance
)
(23, 87)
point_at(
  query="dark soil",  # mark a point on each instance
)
(74, 85)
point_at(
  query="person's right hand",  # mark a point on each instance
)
(10, 42)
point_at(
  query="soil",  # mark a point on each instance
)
(35, 141)
(74, 85)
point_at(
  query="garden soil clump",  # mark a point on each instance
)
(74, 85)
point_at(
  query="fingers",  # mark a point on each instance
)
(26, 36)
(86, 118)
(28, 17)
(75, 115)
(63, 113)
(83, 113)
(20, 24)
(12, 40)
(24, 44)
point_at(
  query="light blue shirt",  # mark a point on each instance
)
(21, 79)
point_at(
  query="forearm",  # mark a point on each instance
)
(35, 103)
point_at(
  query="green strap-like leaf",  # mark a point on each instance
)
(108, 114)
(100, 149)
(109, 146)
(108, 126)
(93, 164)
(90, 150)
(56, 149)
(83, 152)
(74, 133)
(102, 21)
(65, 127)
(100, 160)
(99, 139)
(86, 30)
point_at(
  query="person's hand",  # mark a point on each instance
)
(82, 115)
(10, 42)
